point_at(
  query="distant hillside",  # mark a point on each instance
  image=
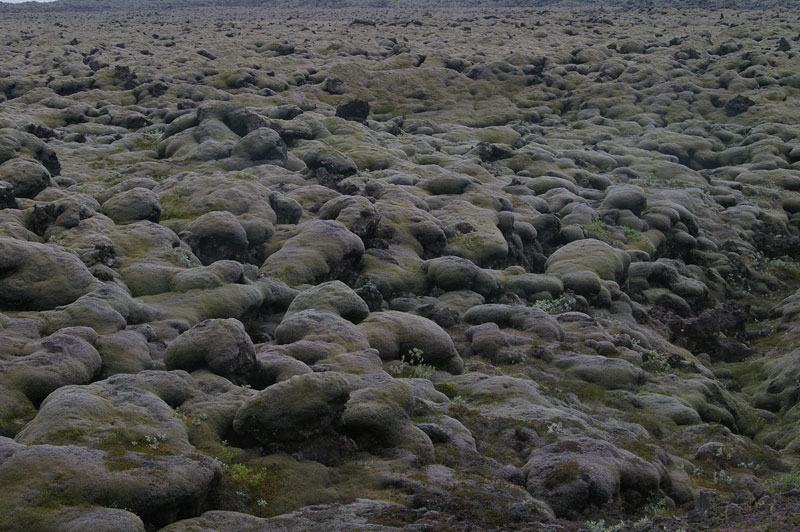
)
(108, 5)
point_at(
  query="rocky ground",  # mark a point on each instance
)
(376, 270)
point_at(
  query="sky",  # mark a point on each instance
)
(20, 1)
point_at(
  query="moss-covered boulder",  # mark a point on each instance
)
(221, 345)
(133, 205)
(261, 146)
(39, 277)
(381, 416)
(331, 332)
(591, 255)
(122, 413)
(27, 177)
(360, 515)
(48, 485)
(333, 296)
(127, 351)
(323, 250)
(579, 473)
(395, 334)
(456, 273)
(301, 407)
(50, 363)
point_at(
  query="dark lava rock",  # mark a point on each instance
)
(738, 105)
(720, 332)
(357, 110)
(124, 77)
(371, 296)
(492, 152)
(7, 200)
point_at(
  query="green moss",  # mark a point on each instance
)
(497, 135)
(656, 425)
(519, 162)
(599, 228)
(246, 176)
(446, 388)
(640, 448)
(268, 485)
(145, 143)
(468, 241)
(352, 468)
(52, 120)
(15, 421)
(585, 391)
(243, 474)
(118, 446)
(631, 235)
(170, 209)
(262, 483)
(171, 205)
(119, 464)
(751, 372)
(482, 503)
(708, 483)
(563, 474)
(67, 436)
(487, 399)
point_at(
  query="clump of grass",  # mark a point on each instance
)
(556, 427)
(656, 362)
(606, 231)
(631, 235)
(786, 482)
(599, 227)
(784, 268)
(151, 441)
(244, 474)
(155, 441)
(656, 507)
(146, 143)
(170, 207)
(260, 484)
(722, 477)
(559, 305)
(458, 402)
(412, 365)
(601, 526)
